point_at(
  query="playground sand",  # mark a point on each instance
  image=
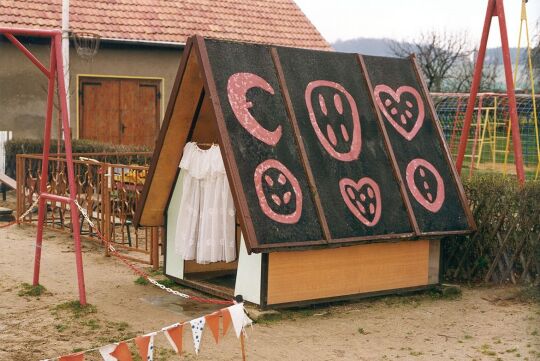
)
(483, 324)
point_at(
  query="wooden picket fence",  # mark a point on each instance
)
(506, 247)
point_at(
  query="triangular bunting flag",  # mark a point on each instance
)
(237, 316)
(74, 357)
(121, 352)
(197, 327)
(145, 346)
(105, 352)
(212, 320)
(174, 335)
(226, 315)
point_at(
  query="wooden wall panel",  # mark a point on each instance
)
(194, 267)
(309, 275)
(173, 136)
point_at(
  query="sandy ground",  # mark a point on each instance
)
(482, 324)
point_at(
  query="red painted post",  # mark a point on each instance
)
(494, 8)
(28, 54)
(516, 135)
(474, 86)
(71, 172)
(42, 205)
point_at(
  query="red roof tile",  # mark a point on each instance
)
(279, 22)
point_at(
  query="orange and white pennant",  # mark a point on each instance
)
(197, 327)
(73, 357)
(238, 317)
(212, 320)
(145, 346)
(226, 316)
(174, 335)
(116, 352)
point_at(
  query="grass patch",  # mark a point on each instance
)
(77, 310)
(529, 294)
(31, 290)
(486, 350)
(141, 281)
(60, 327)
(92, 324)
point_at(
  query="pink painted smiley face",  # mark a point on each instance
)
(237, 87)
(363, 198)
(426, 184)
(279, 193)
(334, 117)
(403, 108)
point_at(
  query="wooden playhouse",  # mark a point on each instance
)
(354, 141)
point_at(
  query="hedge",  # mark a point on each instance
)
(33, 146)
(506, 246)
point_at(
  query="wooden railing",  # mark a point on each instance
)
(107, 189)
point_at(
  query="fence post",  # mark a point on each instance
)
(106, 204)
(154, 252)
(20, 184)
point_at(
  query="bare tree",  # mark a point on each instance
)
(459, 78)
(536, 56)
(436, 52)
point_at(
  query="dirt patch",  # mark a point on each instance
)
(482, 324)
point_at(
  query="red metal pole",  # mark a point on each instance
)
(516, 135)
(30, 32)
(42, 209)
(28, 54)
(71, 172)
(474, 86)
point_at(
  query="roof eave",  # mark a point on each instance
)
(170, 44)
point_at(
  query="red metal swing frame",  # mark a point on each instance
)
(55, 73)
(495, 8)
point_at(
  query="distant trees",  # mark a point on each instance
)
(447, 61)
(437, 53)
(536, 57)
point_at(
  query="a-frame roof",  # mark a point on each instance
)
(321, 148)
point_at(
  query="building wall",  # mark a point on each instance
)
(23, 88)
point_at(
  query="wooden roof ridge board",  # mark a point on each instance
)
(313, 156)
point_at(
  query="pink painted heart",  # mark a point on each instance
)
(426, 184)
(363, 198)
(403, 108)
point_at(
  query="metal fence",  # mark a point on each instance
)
(108, 191)
(489, 142)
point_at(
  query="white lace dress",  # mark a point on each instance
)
(205, 228)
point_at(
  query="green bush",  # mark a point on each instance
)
(504, 213)
(33, 146)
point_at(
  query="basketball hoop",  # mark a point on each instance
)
(86, 44)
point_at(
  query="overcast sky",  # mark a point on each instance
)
(404, 19)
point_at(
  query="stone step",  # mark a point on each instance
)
(6, 214)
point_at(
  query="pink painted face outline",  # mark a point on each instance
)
(283, 178)
(404, 118)
(349, 187)
(433, 205)
(328, 138)
(237, 88)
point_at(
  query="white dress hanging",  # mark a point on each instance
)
(205, 228)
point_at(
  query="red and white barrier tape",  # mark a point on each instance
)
(23, 216)
(140, 272)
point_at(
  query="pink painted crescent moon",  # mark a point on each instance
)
(237, 87)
